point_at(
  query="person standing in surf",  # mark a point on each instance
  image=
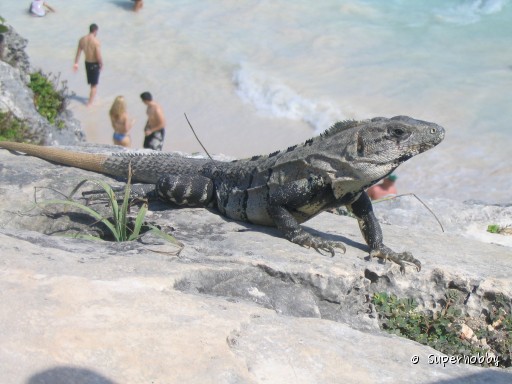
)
(121, 123)
(154, 130)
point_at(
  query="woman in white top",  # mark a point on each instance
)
(39, 8)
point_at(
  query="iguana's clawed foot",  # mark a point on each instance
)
(400, 258)
(307, 240)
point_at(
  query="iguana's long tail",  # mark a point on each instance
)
(88, 161)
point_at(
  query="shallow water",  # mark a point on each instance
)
(257, 76)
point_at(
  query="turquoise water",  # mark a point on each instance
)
(255, 76)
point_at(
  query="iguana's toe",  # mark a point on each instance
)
(319, 244)
(400, 258)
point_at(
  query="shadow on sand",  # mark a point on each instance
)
(80, 99)
(127, 5)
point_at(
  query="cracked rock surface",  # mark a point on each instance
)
(239, 304)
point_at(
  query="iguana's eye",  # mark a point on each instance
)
(398, 132)
(433, 130)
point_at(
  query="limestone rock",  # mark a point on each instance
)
(17, 98)
(14, 51)
(239, 304)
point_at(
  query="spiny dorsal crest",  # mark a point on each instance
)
(339, 127)
(336, 128)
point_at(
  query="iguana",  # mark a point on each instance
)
(284, 188)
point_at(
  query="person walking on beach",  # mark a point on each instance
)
(155, 126)
(93, 61)
(120, 122)
(384, 189)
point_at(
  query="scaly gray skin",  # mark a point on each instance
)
(284, 188)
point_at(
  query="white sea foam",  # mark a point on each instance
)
(270, 96)
(469, 12)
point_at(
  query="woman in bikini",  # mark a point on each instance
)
(120, 122)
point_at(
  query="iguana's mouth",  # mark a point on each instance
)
(405, 157)
(417, 149)
(425, 147)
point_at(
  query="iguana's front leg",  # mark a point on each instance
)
(372, 233)
(297, 193)
(292, 231)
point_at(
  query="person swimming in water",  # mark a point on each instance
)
(384, 189)
(40, 8)
(138, 5)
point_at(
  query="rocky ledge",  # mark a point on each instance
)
(239, 304)
(17, 99)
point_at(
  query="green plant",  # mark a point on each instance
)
(493, 228)
(500, 229)
(50, 95)
(498, 333)
(118, 224)
(442, 330)
(399, 316)
(12, 128)
(3, 28)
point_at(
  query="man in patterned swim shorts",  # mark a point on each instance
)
(155, 127)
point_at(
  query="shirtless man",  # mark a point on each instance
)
(93, 61)
(155, 127)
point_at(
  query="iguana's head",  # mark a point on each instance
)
(361, 153)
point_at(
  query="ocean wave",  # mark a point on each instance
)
(470, 11)
(272, 97)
